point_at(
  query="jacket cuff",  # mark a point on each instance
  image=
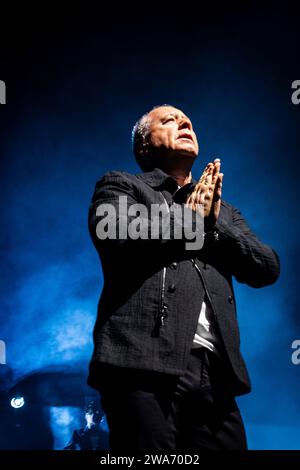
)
(221, 231)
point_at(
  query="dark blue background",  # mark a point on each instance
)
(76, 83)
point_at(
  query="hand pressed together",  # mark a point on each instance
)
(206, 196)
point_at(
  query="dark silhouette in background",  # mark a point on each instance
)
(22, 428)
(93, 435)
(47, 394)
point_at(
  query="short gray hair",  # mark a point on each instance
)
(141, 141)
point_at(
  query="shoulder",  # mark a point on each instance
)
(118, 178)
(229, 212)
(226, 207)
(229, 206)
(116, 175)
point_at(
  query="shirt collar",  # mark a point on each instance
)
(158, 177)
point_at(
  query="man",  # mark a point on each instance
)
(93, 436)
(166, 355)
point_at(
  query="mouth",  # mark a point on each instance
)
(185, 136)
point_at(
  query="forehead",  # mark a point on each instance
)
(158, 113)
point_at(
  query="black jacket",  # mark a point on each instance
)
(153, 289)
(94, 438)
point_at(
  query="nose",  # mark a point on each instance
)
(184, 123)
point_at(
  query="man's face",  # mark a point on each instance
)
(171, 132)
(93, 417)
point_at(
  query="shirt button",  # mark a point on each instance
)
(174, 265)
(230, 299)
(172, 288)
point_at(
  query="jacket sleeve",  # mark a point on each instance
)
(108, 195)
(249, 260)
(73, 444)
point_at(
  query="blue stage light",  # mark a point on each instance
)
(17, 402)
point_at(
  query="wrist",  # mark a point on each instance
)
(209, 224)
(211, 231)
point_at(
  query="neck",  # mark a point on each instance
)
(181, 176)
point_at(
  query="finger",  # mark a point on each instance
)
(208, 166)
(200, 196)
(217, 167)
(190, 200)
(200, 199)
(218, 187)
(220, 179)
(209, 175)
(217, 164)
(204, 174)
(200, 209)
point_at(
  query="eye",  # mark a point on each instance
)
(168, 120)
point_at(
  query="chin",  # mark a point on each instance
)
(187, 153)
(188, 149)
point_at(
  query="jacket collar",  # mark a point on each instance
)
(158, 177)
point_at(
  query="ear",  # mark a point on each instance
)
(146, 158)
(145, 149)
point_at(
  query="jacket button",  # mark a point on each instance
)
(172, 288)
(216, 235)
(230, 299)
(174, 265)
